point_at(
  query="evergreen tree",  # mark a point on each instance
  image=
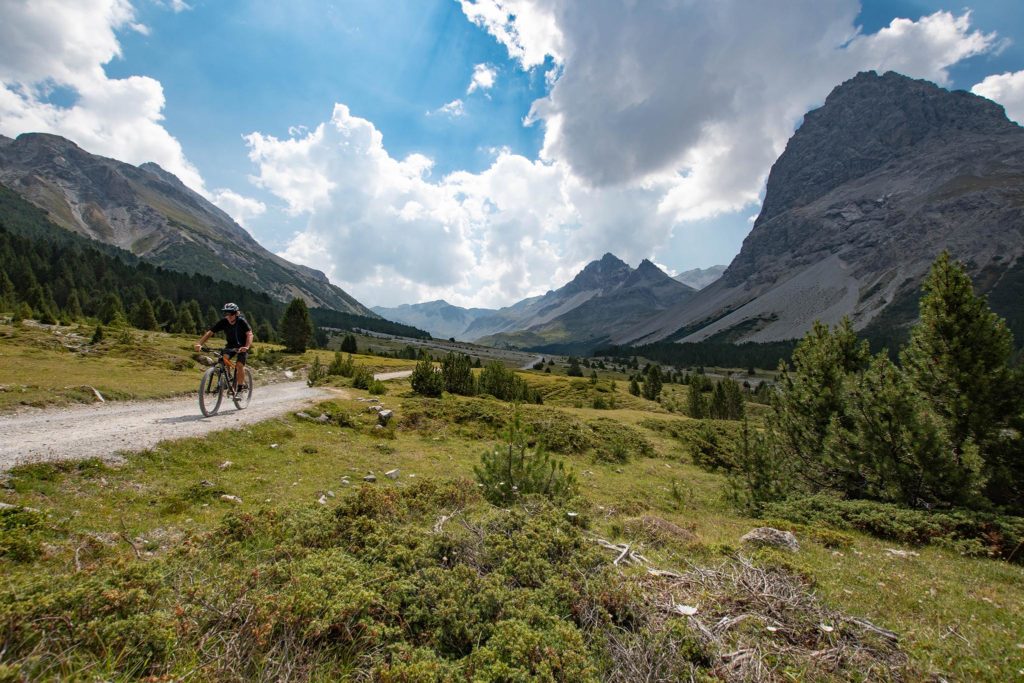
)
(698, 407)
(893, 447)
(457, 370)
(7, 295)
(348, 344)
(653, 383)
(426, 380)
(197, 316)
(73, 307)
(265, 332)
(166, 316)
(958, 357)
(97, 335)
(735, 409)
(111, 311)
(212, 316)
(593, 377)
(143, 316)
(718, 408)
(634, 386)
(811, 395)
(296, 327)
(184, 323)
(574, 367)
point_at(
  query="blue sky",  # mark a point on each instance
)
(645, 129)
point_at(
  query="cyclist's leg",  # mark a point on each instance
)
(240, 369)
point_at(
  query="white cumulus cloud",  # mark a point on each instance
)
(484, 76)
(46, 44)
(454, 109)
(237, 206)
(1006, 89)
(658, 114)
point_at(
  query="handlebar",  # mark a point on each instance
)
(221, 351)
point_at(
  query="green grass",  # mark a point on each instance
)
(959, 617)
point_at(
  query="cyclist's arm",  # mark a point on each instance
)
(202, 340)
(248, 341)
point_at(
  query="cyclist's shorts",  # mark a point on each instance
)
(238, 356)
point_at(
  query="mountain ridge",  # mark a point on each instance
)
(151, 213)
(872, 186)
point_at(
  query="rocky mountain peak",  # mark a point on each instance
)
(866, 122)
(609, 271)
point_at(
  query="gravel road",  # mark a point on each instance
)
(102, 430)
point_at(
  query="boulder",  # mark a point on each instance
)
(766, 535)
(392, 474)
(370, 478)
(384, 416)
(203, 360)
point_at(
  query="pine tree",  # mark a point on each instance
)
(197, 316)
(893, 447)
(348, 344)
(574, 367)
(735, 408)
(73, 307)
(426, 380)
(718, 408)
(265, 333)
(296, 327)
(111, 311)
(697, 405)
(184, 323)
(7, 294)
(958, 357)
(634, 386)
(166, 316)
(143, 316)
(97, 335)
(811, 395)
(653, 383)
(457, 370)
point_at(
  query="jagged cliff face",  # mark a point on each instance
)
(149, 212)
(870, 189)
(607, 296)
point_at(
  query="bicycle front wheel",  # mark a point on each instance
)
(211, 392)
(242, 398)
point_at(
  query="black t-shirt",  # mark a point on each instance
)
(234, 334)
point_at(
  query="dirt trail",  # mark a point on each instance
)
(102, 430)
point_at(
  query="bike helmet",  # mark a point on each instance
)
(229, 308)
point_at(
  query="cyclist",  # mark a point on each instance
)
(238, 334)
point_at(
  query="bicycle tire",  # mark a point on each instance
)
(242, 398)
(211, 392)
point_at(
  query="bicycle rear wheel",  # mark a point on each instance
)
(211, 392)
(242, 398)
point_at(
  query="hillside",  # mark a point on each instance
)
(149, 212)
(872, 186)
(62, 275)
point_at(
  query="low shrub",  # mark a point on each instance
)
(967, 531)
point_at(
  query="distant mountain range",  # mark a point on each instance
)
(869, 190)
(441, 319)
(605, 297)
(699, 278)
(149, 212)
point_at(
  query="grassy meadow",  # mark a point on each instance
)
(148, 570)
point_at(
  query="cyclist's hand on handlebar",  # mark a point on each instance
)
(198, 347)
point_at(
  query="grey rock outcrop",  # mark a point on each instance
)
(768, 536)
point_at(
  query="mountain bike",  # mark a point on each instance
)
(220, 379)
